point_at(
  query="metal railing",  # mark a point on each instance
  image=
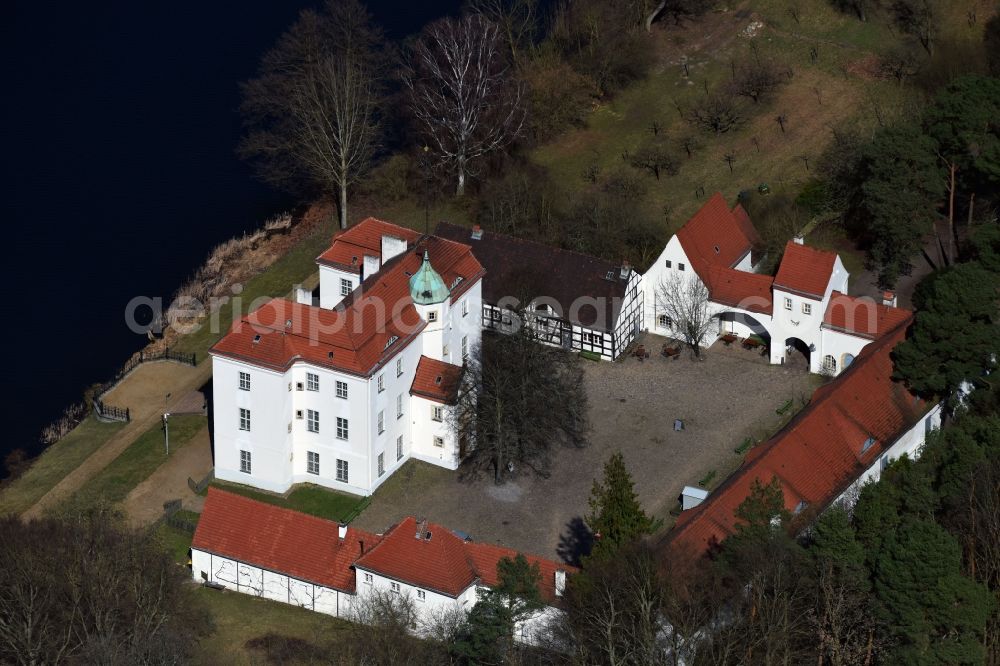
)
(113, 413)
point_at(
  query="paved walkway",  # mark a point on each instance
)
(169, 482)
(144, 393)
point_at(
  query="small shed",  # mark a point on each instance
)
(692, 497)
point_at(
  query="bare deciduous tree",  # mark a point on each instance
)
(312, 110)
(716, 113)
(518, 399)
(685, 301)
(756, 79)
(461, 92)
(655, 158)
(518, 21)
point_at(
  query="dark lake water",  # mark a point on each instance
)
(119, 127)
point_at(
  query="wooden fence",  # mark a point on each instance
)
(111, 412)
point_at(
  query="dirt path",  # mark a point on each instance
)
(169, 482)
(143, 392)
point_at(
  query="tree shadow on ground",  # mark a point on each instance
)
(575, 542)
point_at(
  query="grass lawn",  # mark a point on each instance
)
(176, 541)
(240, 617)
(137, 462)
(314, 500)
(55, 463)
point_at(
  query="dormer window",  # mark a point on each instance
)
(867, 444)
(610, 275)
(717, 249)
(256, 338)
(391, 340)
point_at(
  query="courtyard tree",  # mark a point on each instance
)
(311, 111)
(462, 93)
(517, 400)
(616, 518)
(685, 301)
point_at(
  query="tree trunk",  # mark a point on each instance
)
(343, 205)
(652, 15)
(951, 214)
(460, 190)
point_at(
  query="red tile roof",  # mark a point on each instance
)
(436, 380)
(364, 238)
(445, 563)
(818, 454)
(715, 240)
(861, 316)
(281, 540)
(364, 331)
(805, 270)
(716, 236)
(748, 291)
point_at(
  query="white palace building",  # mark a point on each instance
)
(341, 392)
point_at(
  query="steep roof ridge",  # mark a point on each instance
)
(819, 401)
(518, 239)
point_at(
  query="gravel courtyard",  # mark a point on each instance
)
(730, 395)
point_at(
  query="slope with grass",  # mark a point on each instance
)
(137, 462)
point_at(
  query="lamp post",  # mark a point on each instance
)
(166, 431)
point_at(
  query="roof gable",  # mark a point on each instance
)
(716, 236)
(805, 270)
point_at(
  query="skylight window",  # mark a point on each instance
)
(867, 444)
(390, 341)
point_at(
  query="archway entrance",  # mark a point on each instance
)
(797, 353)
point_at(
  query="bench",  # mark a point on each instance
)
(744, 446)
(781, 411)
(728, 339)
(671, 352)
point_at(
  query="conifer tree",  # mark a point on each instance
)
(616, 518)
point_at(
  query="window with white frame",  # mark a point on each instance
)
(244, 419)
(680, 266)
(665, 321)
(465, 347)
(807, 308)
(593, 339)
(381, 421)
(342, 470)
(312, 381)
(399, 448)
(312, 420)
(381, 464)
(342, 430)
(437, 413)
(465, 307)
(244, 381)
(421, 595)
(342, 389)
(245, 462)
(381, 383)
(312, 462)
(369, 579)
(788, 303)
(439, 442)
(432, 315)
(346, 287)
(399, 406)
(399, 367)
(394, 588)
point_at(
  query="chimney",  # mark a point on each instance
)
(361, 543)
(626, 269)
(342, 531)
(889, 298)
(560, 582)
(799, 240)
(391, 247)
(477, 232)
